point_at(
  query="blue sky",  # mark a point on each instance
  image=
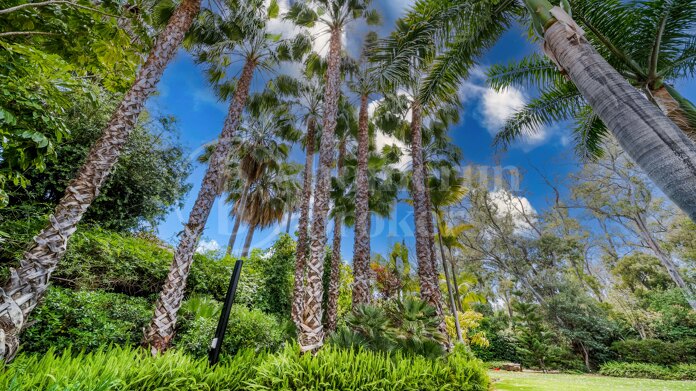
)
(184, 93)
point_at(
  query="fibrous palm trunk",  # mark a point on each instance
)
(335, 275)
(427, 274)
(450, 290)
(162, 326)
(311, 335)
(652, 140)
(303, 226)
(361, 251)
(247, 241)
(238, 220)
(28, 283)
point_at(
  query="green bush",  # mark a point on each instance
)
(649, 371)
(654, 351)
(347, 369)
(85, 320)
(247, 329)
(331, 368)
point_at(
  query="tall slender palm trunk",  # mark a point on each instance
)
(162, 326)
(361, 246)
(335, 275)
(28, 283)
(450, 290)
(287, 224)
(238, 220)
(311, 336)
(652, 140)
(302, 247)
(427, 274)
(247, 241)
(453, 264)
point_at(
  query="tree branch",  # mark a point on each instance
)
(14, 33)
(55, 2)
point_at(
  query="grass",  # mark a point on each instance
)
(532, 381)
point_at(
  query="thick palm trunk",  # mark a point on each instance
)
(238, 220)
(450, 290)
(311, 336)
(335, 275)
(652, 140)
(162, 326)
(361, 247)
(28, 283)
(287, 224)
(247, 241)
(427, 275)
(302, 247)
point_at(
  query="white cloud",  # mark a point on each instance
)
(518, 208)
(205, 246)
(497, 107)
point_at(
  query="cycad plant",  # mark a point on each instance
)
(218, 39)
(335, 15)
(28, 283)
(650, 43)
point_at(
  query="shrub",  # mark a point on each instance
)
(85, 320)
(649, 371)
(348, 369)
(336, 369)
(654, 351)
(247, 329)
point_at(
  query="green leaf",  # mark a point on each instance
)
(273, 9)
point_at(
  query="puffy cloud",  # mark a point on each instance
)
(519, 208)
(205, 246)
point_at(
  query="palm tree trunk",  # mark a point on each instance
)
(652, 140)
(427, 276)
(303, 227)
(676, 108)
(287, 225)
(450, 291)
(28, 283)
(247, 242)
(361, 250)
(335, 276)
(238, 220)
(161, 329)
(311, 335)
(457, 298)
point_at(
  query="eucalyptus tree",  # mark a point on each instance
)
(335, 16)
(650, 44)
(657, 145)
(236, 33)
(28, 283)
(267, 198)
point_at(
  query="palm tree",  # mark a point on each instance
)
(648, 43)
(654, 142)
(237, 32)
(335, 266)
(28, 283)
(305, 95)
(335, 15)
(267, 199)
(363, 84)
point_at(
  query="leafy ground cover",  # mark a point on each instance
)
(533, 381)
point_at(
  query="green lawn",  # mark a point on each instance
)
(530, 381)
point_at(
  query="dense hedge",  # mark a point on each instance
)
(330, 369)
(649, 371)
(654, 351)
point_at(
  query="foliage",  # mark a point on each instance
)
(148, 180)
(469, 322)
(649, 371)
(344, 369)
(122, 368)
(136, 369)
(534, 341)
(653, 351)
(277, 271)
(676, 319)
(85, 320)
(247, 329)
(407, 325)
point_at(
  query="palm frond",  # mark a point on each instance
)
(590, 135)
(535, 70)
